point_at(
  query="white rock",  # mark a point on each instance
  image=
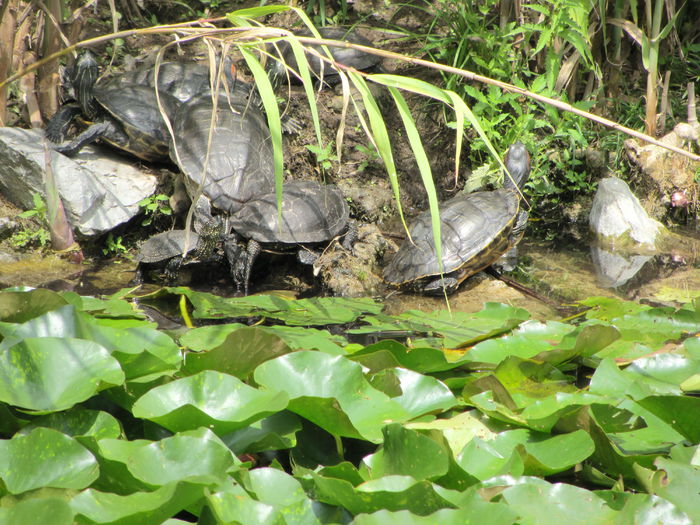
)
(100, 190)
(616, 212)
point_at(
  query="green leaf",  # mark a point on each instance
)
(409, 453)
(319, 311)
(677, 483)
(235, 505)
(456, 328)
(284, 493)
(276, 432)
(208, 399)
(679, 412)
(18, 307)
(389, 492)
(197, 456)
(240, 353)
(206, 337)
(139, 508)
(37, 510)
(45, 458)
(78, 422)
(542, 503)
(53, 373)
(331, 392)
(528, 340)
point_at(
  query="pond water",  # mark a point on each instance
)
(563, 273)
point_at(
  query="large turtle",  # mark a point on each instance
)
(125, 116)
(312, 213)
(477, 228)
(183, 80)
(319, 68)
(240, 161)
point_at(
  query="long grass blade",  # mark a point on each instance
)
(269, 101)
(379, 136)
(424, 169)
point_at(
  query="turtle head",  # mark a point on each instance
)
(517, 160)
(85, 73)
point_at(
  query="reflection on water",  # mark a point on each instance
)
(613, 269)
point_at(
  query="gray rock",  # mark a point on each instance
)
(100, 190)
(616, 212)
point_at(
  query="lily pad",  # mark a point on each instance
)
(208, 399)
(54, 373)
(45, 458)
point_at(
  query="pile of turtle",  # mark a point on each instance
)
(221, 143)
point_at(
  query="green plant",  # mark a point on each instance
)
(154, 207)
(370, 154)
(324, 156)
(649, 37)
(36, 234)
(114, 245)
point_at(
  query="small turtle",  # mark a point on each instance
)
(125, 116)
(320, 69)
(477, 228)
(171, 249)
(312, 213)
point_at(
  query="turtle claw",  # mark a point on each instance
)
(291, 125)
(350, 236)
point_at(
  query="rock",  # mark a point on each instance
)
(99, 189)
(616, 213)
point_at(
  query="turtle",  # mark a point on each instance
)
(312, 213)
(125, 116)
(320, 69)
(477, 229)
(173, 248)
(240, 162)
(183, 80)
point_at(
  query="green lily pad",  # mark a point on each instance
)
(207, 337)
(37, 510)
(240, 353)
(208, 399)
(197, 456)
(139, 508)
(18, 307)
(45, 458)
(332, 392)
(53, 373)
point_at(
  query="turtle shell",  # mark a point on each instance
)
(475, 229)
(183, 80)
(240, 163)
(136, 109)
(165, 245)
(311, 213)
(346, 56)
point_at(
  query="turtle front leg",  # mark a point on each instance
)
(172, 270)
(58, 125)
(90, 135)
(350, 235)
(436, 287)
(252, 252)
(236, 259)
